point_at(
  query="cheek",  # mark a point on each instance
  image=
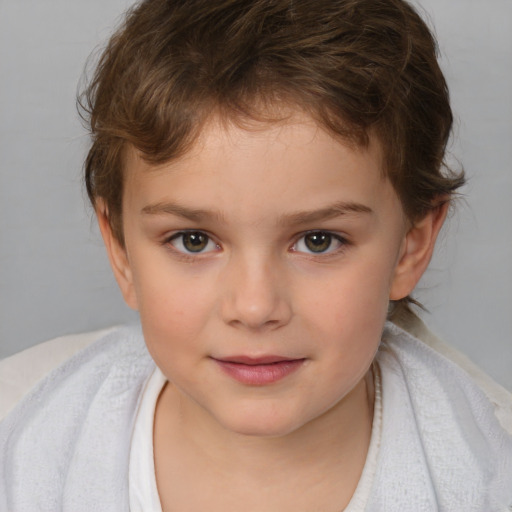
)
(348, 312)
(174, 308)
(353, 294)
(162, 286)
(350, 330)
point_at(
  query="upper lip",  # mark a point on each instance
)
(253, 361)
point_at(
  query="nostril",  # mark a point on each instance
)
(254, 294)
(264, 313)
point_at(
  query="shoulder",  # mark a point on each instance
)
(500, 398)
(444, 426)
(21, 372)
(76, 417)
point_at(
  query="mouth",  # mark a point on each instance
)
(258, 371)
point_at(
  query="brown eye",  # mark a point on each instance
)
(192, 242)
(318, 242)
(195, 242)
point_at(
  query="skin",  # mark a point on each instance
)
(256, 289)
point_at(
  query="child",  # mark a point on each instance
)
(268, 180)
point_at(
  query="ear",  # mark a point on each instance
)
(117, 256)
(416, 252)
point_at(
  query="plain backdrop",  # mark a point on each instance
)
(54, 275)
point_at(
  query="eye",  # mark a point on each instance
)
(318, 242)
(192, 242)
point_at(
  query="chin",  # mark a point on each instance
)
(262, 424)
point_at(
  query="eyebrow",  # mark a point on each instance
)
(301, 217)
(193, 214)
(332, 211)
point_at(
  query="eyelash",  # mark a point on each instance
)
(333, 237)
(180, 236)
(189, 254)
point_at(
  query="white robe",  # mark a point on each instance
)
(66, 446)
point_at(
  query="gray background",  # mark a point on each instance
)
(54, 276)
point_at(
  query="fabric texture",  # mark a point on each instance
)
(361, 495)
(20, 372)
(442, 447)
(66, 445)
(142, 479)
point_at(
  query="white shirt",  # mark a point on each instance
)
(142, 481)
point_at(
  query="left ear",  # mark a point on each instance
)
(416, 252)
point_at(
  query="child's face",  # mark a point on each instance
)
(278, 245)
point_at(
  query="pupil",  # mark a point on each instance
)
(195, 242)
(318, 242)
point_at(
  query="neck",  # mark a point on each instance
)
(334, 444)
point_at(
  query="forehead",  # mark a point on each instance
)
(266, 166)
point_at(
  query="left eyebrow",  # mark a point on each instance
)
(330, 212)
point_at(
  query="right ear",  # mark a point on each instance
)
(117, 256)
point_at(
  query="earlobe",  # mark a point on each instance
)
(416, 252)
(117, 256)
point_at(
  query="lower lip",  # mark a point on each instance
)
(260, 374)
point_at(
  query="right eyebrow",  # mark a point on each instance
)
(168, 208)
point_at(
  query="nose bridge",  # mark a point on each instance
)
(255, 292)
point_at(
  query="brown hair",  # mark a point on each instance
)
(356, 66)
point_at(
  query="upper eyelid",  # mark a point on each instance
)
(169, 238)
(343, 241)
(180, 232)
(339, 236)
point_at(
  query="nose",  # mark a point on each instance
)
(256, 295)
